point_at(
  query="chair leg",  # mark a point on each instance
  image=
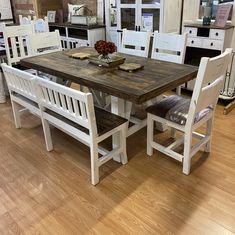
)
(47, 134)
(209, 133)
(94, 163)
(187, 151)
(122, 136)
(150, 126)
(178, 90)
(173, 133)
(16, 114)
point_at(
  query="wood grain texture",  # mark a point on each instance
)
(209, 26)
(137, 87)
(49, 193)
(106, 121)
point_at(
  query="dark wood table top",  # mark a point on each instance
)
(154, 79)
(77, 26)
(212, 26)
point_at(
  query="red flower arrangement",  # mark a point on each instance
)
(104, 48)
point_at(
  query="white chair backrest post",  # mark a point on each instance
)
(41, 25)
(208, 84)
(72, 104)
(135, 43)
(169, 47)
(19, 82)
(17, 42)
(43, 43)
(25, 20)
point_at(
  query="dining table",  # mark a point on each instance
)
(125, 88)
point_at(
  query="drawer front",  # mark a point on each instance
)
(191, 31)
(217, 34)
(212, 44)
(194, 42)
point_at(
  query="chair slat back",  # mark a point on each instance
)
(47, 42)
(41, 25)
(135, 43)
(19, 81)
(169, 47)
(72, 104)
(209, 82)
(17, 42)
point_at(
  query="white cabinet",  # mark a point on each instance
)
(5, 10)
(141, 15)
(207, 37)
(206, 41)
(77, 35)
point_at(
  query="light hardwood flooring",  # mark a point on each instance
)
(50, 193)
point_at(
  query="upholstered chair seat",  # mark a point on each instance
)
(175, 108)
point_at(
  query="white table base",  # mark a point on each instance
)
(2, 89)
(123, 108)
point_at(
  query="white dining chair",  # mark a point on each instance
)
(73, 112)
(17, 42)
(21, 90)
(46, 42)
(135, 43)
(70, 43)
(186, 116)
(169, 47)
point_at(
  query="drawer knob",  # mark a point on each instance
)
(190, 31)
(216, 34)
(192, 41)
(212, 44)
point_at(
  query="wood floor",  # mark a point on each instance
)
(50, 193)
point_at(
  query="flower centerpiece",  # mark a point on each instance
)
(106, 56)
(105, 49)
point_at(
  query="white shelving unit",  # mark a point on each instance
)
(162, 15)
(76, 35)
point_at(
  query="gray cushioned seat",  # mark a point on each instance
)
(175, 108)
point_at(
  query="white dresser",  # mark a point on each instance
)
(205, 41)
(209, 37)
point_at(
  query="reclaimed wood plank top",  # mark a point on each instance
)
(154, 79)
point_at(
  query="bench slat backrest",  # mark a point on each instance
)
(71, 104)
(19, 81)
